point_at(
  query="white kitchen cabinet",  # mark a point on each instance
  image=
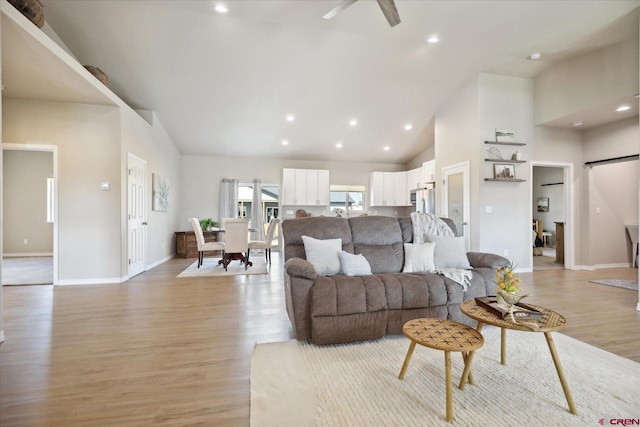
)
(415, 177)
(305, 187)
(388, 189)
(429, 170)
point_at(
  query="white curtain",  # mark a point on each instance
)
(228, 207)
(257, 219)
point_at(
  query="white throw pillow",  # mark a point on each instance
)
(450, 252)
(354, 265)
(324, 255)
(418, 257)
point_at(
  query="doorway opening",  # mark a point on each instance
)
(551, 216)
(30, 214)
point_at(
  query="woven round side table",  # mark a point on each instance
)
(445, 335)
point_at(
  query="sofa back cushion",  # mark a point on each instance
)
(379, 239)
(316, 227)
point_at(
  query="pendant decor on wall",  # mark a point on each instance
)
(160, 202)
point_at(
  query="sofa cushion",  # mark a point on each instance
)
(323, 254)
(379, 239)
(418, 257)
(316, 227)
(354, 265)
(450, 252)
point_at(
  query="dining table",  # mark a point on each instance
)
(234, 255)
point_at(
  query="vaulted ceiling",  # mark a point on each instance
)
(224, 84)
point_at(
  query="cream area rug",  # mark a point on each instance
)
(618, 283)
(210, 267)
(299, 384)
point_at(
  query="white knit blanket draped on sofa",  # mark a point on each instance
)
(427, 223)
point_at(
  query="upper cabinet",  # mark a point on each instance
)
(388, 189)
(305, 187)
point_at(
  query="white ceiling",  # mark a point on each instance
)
(223, 84)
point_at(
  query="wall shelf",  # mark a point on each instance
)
(505, 143)
(505, 161)
(505, 179)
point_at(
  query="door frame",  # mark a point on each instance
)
(146, 215)
(52, 149)
(569, 216)
(464, 168)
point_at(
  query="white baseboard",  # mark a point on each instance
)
(2, 332)
(98, 281)
(584, 267)
(26, 254)
(617, 265)
(160, 261)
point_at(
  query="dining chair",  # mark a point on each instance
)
(202, 245)
(268, 239)
(236, 240)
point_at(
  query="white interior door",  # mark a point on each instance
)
(456, 198)
(137, 215)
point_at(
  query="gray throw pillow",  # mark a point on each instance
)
(450, 252)
(354, 265)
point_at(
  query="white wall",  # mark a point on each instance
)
(88, 140)
(148, 140)
(201, 176)
(586, 81)
(613, 191)
(25, 202)
(429, 137)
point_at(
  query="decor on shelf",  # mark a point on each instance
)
(31, 9)
(503, 135)
(160, 202)
(494, 154)
(543, 204)
(516, 156)
(98, 74)
(504, 171)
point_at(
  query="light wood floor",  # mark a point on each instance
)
(159, 350)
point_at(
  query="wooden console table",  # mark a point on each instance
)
(187, 247)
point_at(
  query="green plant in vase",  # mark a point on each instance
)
(207, 223)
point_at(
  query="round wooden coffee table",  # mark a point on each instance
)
(550, 322)
(447, 336)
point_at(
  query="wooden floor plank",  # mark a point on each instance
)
(161, 350)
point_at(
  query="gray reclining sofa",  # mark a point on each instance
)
(338, 308)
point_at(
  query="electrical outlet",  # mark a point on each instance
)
(25, 242)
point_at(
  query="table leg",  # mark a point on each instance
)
(407, 359)
(466, 374)
(563, 379)
(447, 378)
(503, 346)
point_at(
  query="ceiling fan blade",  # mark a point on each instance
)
(390, 12)
(339, 8)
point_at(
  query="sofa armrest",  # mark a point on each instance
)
(486, 260)
(298, 267)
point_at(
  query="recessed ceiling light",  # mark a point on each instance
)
(408, 126)
(353, 122)
(285, 142)
(623, 108)
(339, 145)
(577, 123)
(535, 55)
(221, 8)
(290, 117)
(387, 148)
(433, 39)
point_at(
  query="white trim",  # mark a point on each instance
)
(583, 267)
(616, 265)
(26, 254)
(160, 261)
(56, 216)
(569, 216)
(99, 281)
(1, 336)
